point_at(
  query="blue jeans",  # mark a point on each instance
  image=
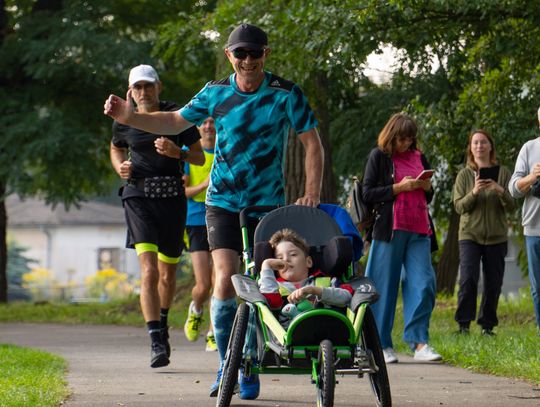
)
(532, 244)
(410, 252)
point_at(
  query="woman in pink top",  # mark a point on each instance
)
(401, 239)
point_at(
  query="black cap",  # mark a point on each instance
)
(248, 36)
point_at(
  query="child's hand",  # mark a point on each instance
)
(298, 295)
(274, 264)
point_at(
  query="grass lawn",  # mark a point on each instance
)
(513, 352)
(125, 312)
(31, 378)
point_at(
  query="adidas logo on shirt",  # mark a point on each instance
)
(275, 83)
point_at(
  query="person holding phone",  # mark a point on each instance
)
(401, 245)
(483, 204)
(525, 183)
(155, 223)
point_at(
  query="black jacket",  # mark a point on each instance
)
(377, 188)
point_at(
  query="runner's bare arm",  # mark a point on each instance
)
(120, 162)
(314, 165)
(166, 123)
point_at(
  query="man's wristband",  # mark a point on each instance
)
(183, 155)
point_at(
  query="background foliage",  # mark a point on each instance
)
(460, 65)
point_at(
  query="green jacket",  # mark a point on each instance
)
(483, 217)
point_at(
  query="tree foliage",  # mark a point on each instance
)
(461, 65)
(58, 62)
(18, 263)
(488, 60)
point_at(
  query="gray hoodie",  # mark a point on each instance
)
(528, 156)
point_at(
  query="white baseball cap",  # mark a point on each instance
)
(142, 73)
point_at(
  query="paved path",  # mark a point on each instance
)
(108, 366)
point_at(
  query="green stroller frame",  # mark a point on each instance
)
(320, 342)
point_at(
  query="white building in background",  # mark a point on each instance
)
(71, 244)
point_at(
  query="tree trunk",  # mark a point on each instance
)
(3, 247)
(447, 269)
(295, 177)
(294, 169)
(3, 217)
(328, 192)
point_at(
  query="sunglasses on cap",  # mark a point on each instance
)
(240, 53)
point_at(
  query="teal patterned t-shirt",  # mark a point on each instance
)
(252, 130)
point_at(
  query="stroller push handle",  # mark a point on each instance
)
(244, 223)
(254, 209)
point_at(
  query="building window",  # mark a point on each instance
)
(108, 258)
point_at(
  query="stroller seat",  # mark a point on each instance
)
(331, 252)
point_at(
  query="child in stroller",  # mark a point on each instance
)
(295, 286)
(320, 342)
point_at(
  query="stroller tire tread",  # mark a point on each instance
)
(233, 358)
(379, 380)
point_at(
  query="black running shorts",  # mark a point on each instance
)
(224, 229)
(157, 221)
(197, 238)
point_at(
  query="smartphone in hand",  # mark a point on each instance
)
(425, 174)
(489, 173)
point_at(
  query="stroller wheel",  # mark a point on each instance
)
(326, 380)
(379, 380)
(233, 358)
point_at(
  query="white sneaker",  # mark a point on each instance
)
(390, 355)
(426, 354)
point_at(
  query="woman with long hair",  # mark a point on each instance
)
(401, 245)
(482, 199)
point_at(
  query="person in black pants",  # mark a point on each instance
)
(154, 203)
(483, 204)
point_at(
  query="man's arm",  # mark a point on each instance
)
(167, 147)
(524, 184)
(523, 176)
(166, 123)
(193, 190)
(195, 154)
(314, 165)
(120, 162)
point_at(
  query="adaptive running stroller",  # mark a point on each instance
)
(320, 342)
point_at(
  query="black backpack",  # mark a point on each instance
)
(361, 212)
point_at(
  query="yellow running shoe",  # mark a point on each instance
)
(211, 345)
(193, 324)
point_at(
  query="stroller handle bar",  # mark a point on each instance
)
(254, 209)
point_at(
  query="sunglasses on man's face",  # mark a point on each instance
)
(243, 53)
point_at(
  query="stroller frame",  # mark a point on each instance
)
(350, 347)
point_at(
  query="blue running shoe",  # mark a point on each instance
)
(250, 386)
(214, 388)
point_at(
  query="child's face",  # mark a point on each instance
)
(297, 262)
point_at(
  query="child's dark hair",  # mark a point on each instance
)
(289, 235)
